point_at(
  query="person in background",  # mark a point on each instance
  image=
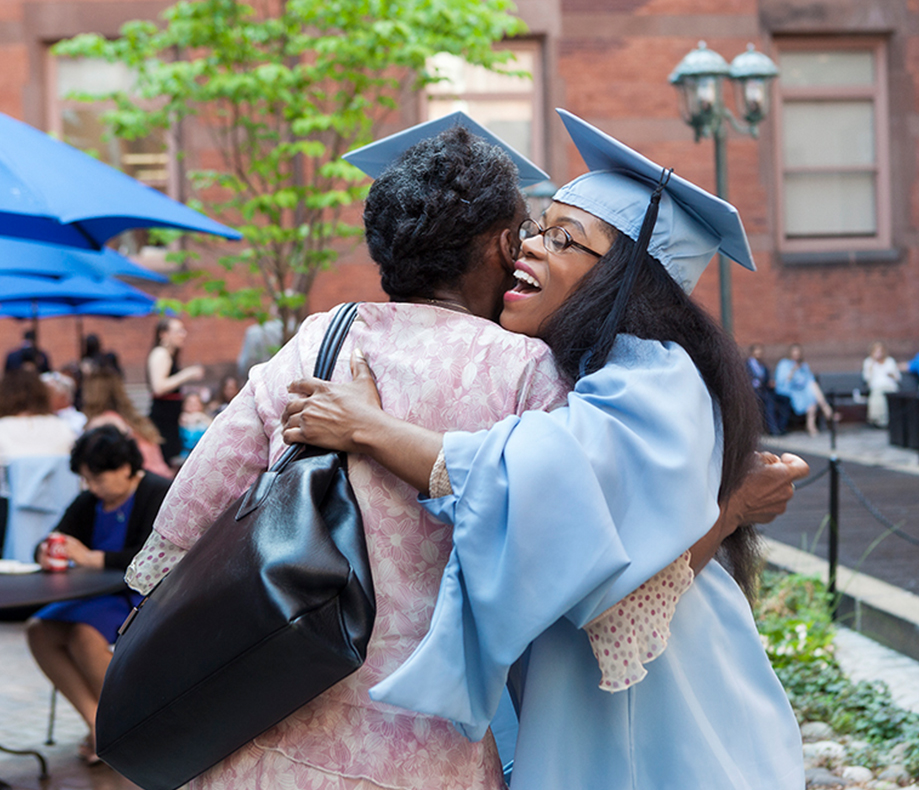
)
(28, 355)
(882, 375)
(106, 402)
(104, 527)
(193, 422)
(794, 380)
(94, 358)
(28, 428)
(28, 424)
(261, 342)
(165, 378)
(228, 389)
(62, 390)
(763, 386)
(910, 367)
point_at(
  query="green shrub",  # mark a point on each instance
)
(793, 617)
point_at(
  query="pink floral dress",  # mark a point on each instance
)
(435, 367)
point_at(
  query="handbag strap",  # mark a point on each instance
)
(335, 335)
(332, 342)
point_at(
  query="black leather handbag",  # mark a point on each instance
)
(272, 606)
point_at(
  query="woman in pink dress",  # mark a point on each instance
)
(439, 361)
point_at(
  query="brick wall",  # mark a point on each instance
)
(613, 62)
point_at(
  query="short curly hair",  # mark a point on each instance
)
(425, 214)
(104, 449)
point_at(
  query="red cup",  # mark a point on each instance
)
(57, 554)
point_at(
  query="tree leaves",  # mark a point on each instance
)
(281, 90)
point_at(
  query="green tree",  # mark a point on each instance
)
(283, 88)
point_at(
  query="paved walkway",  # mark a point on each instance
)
(25, 694)
(878, 505)
(854, 442)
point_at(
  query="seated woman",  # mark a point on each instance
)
(104, 527)
(795, 381)
(228, 389)
(882, 375)
(28, 428)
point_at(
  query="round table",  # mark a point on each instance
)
(22, 590)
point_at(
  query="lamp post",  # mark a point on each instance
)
(699, 80)
(539, 196)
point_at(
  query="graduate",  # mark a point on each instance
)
(640, 663)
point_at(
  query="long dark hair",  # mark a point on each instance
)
(658, 309)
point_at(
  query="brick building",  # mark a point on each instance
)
(827, 192)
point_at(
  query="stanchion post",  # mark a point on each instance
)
(834, 531)
(833, 559)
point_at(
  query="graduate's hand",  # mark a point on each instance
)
(349, 417)
(335, 416)
(768, 487)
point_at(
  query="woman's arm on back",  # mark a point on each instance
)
(349, 417)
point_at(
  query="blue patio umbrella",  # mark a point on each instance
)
(52, 192)
(55, 260)
(103, 308)
(71, 291)
(35, 297)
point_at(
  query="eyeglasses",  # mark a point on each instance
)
(554, 239)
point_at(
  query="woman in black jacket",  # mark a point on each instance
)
(104, 527)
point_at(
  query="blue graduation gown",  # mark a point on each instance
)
(556, 518)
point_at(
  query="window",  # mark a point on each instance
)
(833, 154)
(80, 124)
(505, 104)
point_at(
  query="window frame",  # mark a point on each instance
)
(54, 112)
(536, 94)
(131, 242)
(878, 94)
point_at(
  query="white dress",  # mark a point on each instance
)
(881, 378)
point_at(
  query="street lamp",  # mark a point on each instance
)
(699, 80)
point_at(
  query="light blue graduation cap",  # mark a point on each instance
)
(691, 225)
(374, 158)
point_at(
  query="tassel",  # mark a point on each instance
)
(611, 323)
